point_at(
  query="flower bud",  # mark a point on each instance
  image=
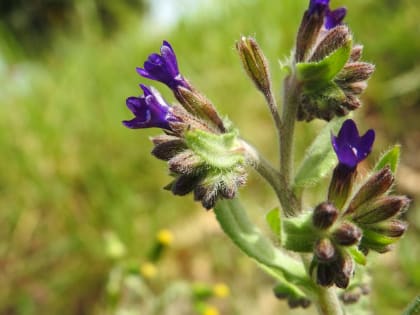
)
(356, 53)
(167, 149)
(325, 274)
(341, 185)
(324, 215)
(355, 72)
(324, 250)
(185, 163)
(310, 26)
(344, 270)
(254, 63)
(184, 184)
(381, 210)
(391, 228)
(351, 297)
(334, 39)
(199, 106)
(347, 234)
(377, 185)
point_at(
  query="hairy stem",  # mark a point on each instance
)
(290, 106)
(327, 302)
(273, 177)
(272, 105)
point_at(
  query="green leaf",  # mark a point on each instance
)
(299, 235)
(236, 224)
(218, 151)
(391, 158)
(273, 220)
(414, 307)
(357, 255)
(317, 74)
(320, 158)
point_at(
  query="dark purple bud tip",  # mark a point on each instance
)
(163, 68)
(351, 148)
(150, 110)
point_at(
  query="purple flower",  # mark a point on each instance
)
(318, 6)
(332, 17)
(349, 146)
(150, 110)
(163, 68)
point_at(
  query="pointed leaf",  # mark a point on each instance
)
(320, 158)
(357, 255)
(236, 224)
(391, 158)
(317, 74)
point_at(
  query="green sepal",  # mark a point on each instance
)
(371, 237)
(320, 158)
(273, 220)
(220, 151)
(357, 255)
(316, 74)
(236, 224)
(299, 234)
(391, 158)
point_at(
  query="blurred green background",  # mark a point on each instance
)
(72, 177)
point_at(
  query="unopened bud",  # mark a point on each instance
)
(345, 270)
(377, 185)
(341, 185)
(199, 106)
(355, 72)
(347, 234)
(391, 228)
(356, 53)
(324, 215)
(308, 32)
(185, 162)
(254, 63)
(381, 210)
(166, 150)
(335, 38)
(351, 297)
(185, 184)
(325, 274)
(324, 250)
(353, 89)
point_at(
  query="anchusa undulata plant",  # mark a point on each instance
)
(206, 156)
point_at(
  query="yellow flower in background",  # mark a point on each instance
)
(221, 290)
(148, 270)
(211, 310)
(165, 237)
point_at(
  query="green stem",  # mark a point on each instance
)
(290, 107)
(327, 302)
(272, 105)
(286, 197)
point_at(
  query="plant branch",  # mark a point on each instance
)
(327, 302)
(286, 197)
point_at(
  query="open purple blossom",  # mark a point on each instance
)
(349, 146)
(150, 110)
(163, 68)
(332, 17)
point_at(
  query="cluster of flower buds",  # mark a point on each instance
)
(327, 64)
(203, 152)
(368, 219)
(350, 222)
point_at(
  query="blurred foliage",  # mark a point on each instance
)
(70, 174)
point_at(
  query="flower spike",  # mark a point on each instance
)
(150, 110)
(163, 68)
